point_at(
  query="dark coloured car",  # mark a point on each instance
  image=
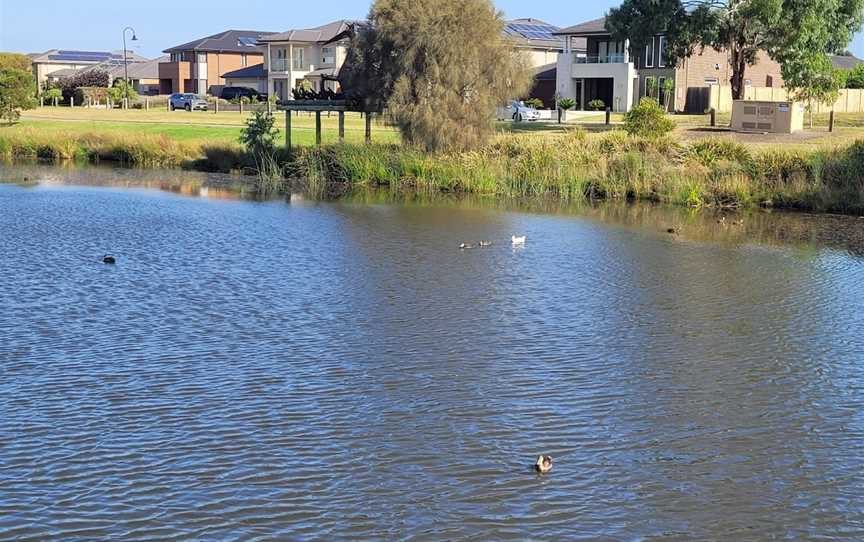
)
(233, 93)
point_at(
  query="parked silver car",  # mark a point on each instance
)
(189, 102)
(518, 111)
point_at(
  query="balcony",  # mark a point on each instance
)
(284, 65)
(616, 58)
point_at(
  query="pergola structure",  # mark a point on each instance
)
(317, 106)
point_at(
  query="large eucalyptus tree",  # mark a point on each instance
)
(796, 33)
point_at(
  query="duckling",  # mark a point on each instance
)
(543, 464)
(518, 240)
(109, 260)
(466, 246)
(485, 244)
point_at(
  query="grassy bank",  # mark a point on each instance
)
(570, 165)
(709, 172)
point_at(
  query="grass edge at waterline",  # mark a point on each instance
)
(572, 166)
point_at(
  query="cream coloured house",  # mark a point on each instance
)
(313, 55)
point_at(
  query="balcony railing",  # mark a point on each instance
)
(284, 65)
(617, 58)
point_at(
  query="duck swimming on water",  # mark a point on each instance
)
(109, 260)
(543, 464)
(518, 240)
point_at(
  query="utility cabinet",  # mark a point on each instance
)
(770, 117)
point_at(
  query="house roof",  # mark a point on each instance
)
(148, 69)
(319, 34)
(249, 72)
(533, 33)
(229, 41)
(845, 62)
(597, 27)
(69, 56)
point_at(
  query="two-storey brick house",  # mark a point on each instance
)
(611, 72)
(199, 66)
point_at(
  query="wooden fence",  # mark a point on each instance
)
(720, 98)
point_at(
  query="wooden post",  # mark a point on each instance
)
(288, 129)
(168, 104)
(368, 127)
(318, 128)
(241, 107)
(146, 104)
(608, 116)
(341, 126)
(831, 121)
(713, 113)
(268, 106)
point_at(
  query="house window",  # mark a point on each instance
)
(769, 81)
(661, 91)
(649, 54)
(176, 57)
(661, 52)
(328, 55)
(650, 86)
(202, 58)
(299, 59)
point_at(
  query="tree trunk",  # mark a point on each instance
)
(739, 67)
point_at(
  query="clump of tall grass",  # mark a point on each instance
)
(130, 149)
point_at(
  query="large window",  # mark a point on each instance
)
(649, 54)
(202, 58)
(661, 52)
(650, 87)
(328, 55)
(299, 58)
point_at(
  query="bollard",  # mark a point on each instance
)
(713, 113)
(71, 101)
(341, 126)
(608, 116)
(146, 104)
(318, 128)
(368, 128)
(288, 129)
(831, 121)
(168, 104)
(41, 101)
(216, 106)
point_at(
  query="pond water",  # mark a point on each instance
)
(300, 370)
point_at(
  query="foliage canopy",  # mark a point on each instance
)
(15, 61)
(17, 92)
(438, 68)
(795, 33)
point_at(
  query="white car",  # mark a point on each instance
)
(519, 112)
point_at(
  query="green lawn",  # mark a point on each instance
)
(196, 127)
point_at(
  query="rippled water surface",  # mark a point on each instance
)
(342, 371)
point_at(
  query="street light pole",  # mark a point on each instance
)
(126, 60)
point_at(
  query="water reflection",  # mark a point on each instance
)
(341, 371)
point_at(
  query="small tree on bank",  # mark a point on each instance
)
(439, 68)
(17, 92)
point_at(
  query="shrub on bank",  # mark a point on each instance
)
(648, 119)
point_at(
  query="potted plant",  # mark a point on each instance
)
(564, 105)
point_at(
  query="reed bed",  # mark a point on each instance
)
(573, 166)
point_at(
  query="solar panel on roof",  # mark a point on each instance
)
(248, 42)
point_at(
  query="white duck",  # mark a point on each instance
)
(518, 240)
